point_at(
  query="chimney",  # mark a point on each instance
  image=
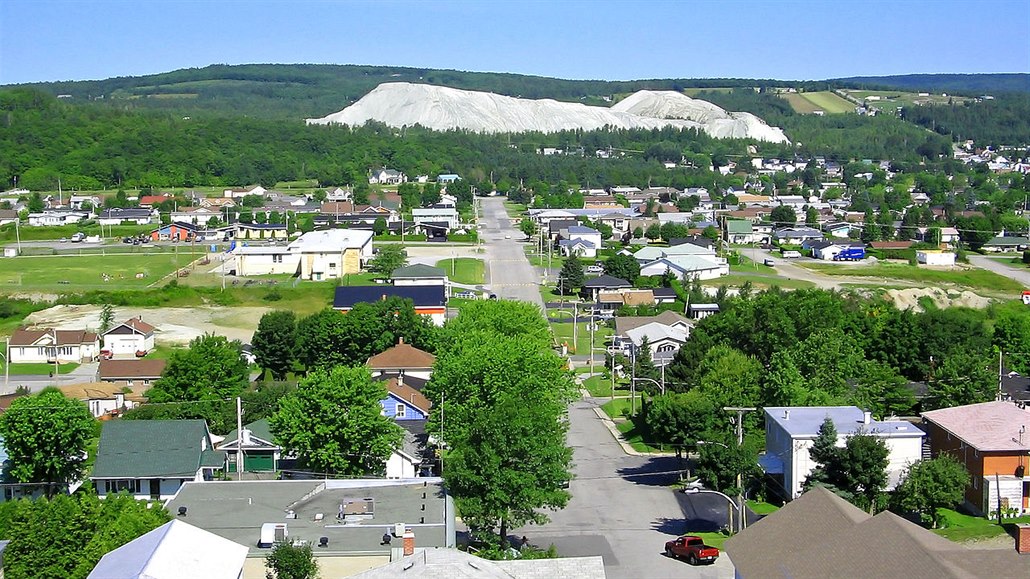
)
(245, 438)
(1023, 538)
(786, 414)
(400, 340)
(867, 417)
(409, 542)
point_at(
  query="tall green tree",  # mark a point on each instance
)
(65, 536)
(528, 227)
(856, 472)
(931, 485)
(106, 318)
(622, 266)
(275, 341)
(881, 390)
(289, 561)
(681, 419)
(783, 215)
(211, 369)
(387, 259)
(334, 423)
(963, 378)
(571, 276)
(721, 460)
(46, 436)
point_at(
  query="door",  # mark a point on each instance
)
(155, 488)
(258, 461)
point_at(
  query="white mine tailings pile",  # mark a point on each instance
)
(400, 104)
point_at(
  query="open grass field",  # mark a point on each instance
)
(693, 92)
(79, 273)
(759, 280)
(826, 101)
(891, 99)
(40, 369)
(971, 278)
(467, 270)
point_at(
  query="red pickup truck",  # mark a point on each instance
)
(692, 548)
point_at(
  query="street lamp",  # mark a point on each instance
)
(740, 489)
(655, 382)
(740, 514)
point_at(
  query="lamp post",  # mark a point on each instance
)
(655, 382)
(740, 513)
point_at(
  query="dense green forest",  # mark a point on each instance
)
(1004, 120)
(968, 84)
(89, 148)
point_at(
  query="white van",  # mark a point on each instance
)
(791, 254)
(272, 533)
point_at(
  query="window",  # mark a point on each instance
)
(277, 259)
(332, 266)
(401, 411)
(666, 348)
(131, 485)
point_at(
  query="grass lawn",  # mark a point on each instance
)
(78, 273)
(467, 270)
(40, 369)
(563, 333)
(601, 387)
(960, 528)
(634, 438)
(1013, 261)
(614, 409)
(967, 277)
(762, 508)
(713, 540)
(826, 101)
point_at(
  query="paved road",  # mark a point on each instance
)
(620, 509)
(509, 274)
(1019, 275)
(37, 382)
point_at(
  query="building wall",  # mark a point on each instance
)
(253, 264)
(390, 405)
(65, 354)
(978, 464)
(798, 463)
(399, 467)
(420, 281)
(128, 343)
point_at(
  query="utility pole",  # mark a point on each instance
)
(633, 379)
(239, 438)
(575, 325)
(740, 410)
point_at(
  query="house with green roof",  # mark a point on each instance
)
(260, 452)
(151, 459)
(741, 231)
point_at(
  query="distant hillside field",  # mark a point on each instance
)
(826, 101)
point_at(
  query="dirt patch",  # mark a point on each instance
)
(909, 298)
(175, 326)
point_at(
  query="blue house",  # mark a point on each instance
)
(403, 402)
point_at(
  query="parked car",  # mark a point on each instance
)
(691, 548)
(769, 262)
(594, 269)
(77, 237)
(790, 254)
(466, 295)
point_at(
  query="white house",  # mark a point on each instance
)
(790, 432)
(244, 191)
(419, 274)
(448, 215)
(77, 201)
(935, 257)
(151, 459)
(386, 176)
(338, 194)
(196, 215)
(51, 217)
(579, 240)
(316, 255)
(30, 345)
(700, 267)
(663, 340)
(127, 338)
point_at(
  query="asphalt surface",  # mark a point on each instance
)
(1019, 275)
(509, 274)
(621, 508)
(37, 382)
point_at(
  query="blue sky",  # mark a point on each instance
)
(42, 40)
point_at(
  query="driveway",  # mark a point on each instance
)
(1019, 275)
(621, 508)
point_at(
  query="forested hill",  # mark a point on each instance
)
(299, 91)
(968, 84)
(296, 91)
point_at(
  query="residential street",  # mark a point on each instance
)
(509, 274)
(621, 509)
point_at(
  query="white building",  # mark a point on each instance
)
(127, 338)
(448, 215)
(579, 240)
(700, 267)
(663, 340)
(117, 216)
(317, 255)
(935, 257)
(196, 215)
(790, 432)
(30, 345)
(239, 193)
(56, 217)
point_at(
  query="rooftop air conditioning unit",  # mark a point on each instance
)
(398, 529)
